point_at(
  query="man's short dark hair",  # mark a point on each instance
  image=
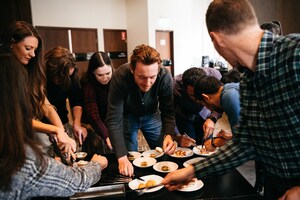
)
(190, 76)
(206, 85)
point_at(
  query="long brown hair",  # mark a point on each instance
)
(35, 68)
(15, 119)
(58, 63)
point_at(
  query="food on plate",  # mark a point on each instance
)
(203, 151)
(80, 155)
(190, 184)
(141, 185)
(150, 183)
(180, 153)
(165, 168)
(144, 163)
(158, 149)
(82, 163)
(152, 155)
(130, 157)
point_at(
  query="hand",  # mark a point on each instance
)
(125, 166)
(185, 141)
(101, 160)
(176, 179)
(291, 194)
(208, 128)
(80, 133)
(169, 145)
(65, 143)
(108, 143)
(66, 149)
(224, 134)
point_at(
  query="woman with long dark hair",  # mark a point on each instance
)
(25, 172)
(24, 42)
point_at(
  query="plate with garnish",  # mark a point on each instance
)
(132, 155)
(193, 185)
(153, 153)
(199, 150)
(150, 180)
(192, 161)
(165, 166)
(144, 162)
(182, 152)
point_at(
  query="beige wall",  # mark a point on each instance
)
(140, 17)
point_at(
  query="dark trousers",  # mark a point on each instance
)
(275, 187)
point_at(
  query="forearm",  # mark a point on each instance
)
(45, 128)
(51, 115)
(77, 114)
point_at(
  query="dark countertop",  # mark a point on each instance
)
(231, 185)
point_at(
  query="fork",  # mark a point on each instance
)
(141, 191)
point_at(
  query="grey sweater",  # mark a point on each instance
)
(53, 179)
(125, 98)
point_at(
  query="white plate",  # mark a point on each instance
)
(171, 166)
(149, 161)
(135, 155)
(192, 186)
(192, 161)
(188, 152)
(151, 152)
(134, 184)
(197, 150)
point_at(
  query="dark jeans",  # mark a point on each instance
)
(194, 129)
(275, 187)
(150, 125)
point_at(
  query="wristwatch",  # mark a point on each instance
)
(212, 119)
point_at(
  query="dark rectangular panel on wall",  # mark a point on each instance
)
(115, 43)
(84, 40)
(53, 37)
(14, 10)
(281, 10)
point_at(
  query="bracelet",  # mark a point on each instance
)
(212, 119)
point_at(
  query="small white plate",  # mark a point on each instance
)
(181, 152)
(197, 150)
(134, 154)
(194, 185)
(148, 161)
(134, 184)
(192, 161)
(152, 153)
(170, 165)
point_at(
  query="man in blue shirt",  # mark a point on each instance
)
(269, 128)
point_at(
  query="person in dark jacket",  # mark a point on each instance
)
(140, 98)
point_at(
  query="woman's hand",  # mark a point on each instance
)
(65, 143)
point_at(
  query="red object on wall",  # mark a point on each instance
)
(123, 35)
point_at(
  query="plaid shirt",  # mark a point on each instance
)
(270, 113)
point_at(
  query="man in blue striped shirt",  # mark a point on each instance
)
(269, 127)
